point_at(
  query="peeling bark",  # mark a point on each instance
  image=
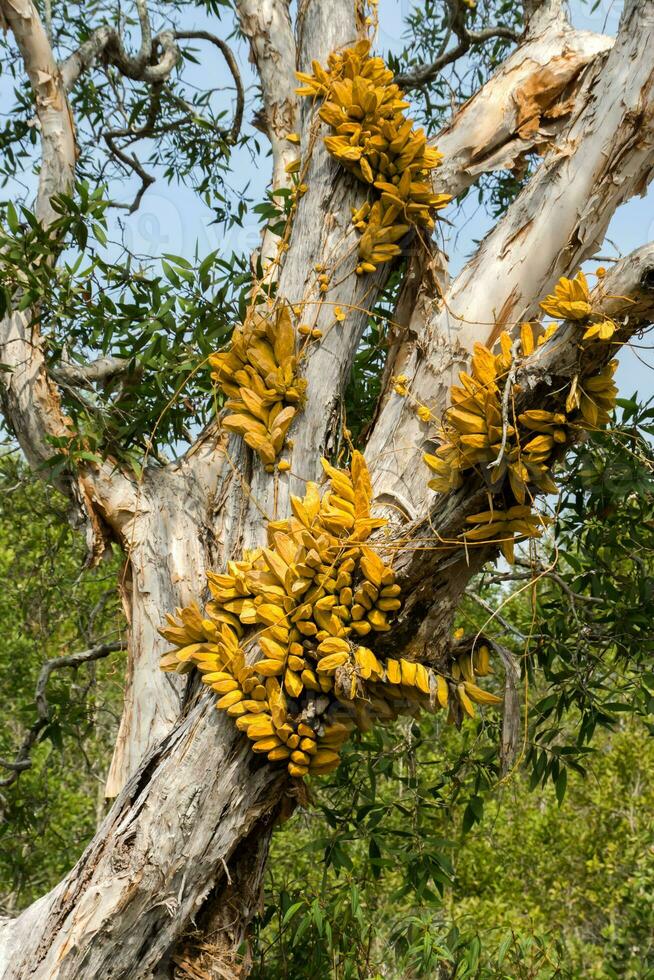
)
(57, 128)
(520, 109)
(604, 156)
(170, 541)
(173, 875)
(160, 852)
(268, 27)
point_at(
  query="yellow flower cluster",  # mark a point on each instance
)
(513, 452)
(466, 667)
(311, 595)
(593, 398)
(472, 430)
(571, 301)
(258, 373)
(376, 141)
(502, 526)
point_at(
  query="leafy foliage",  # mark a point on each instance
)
(539, 889)
(49, 607)
(179, 131)
(162, 319)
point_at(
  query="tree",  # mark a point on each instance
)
(95, 347)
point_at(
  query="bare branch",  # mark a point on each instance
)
(495, 615)
(231, 134)
(145, 51)
(106, 42)
(540, 15)
(22, 760)
(85, 57)
(57, 134)
(84, 375)
(131, 162)
(510, 736)
(424, 74)
(540, 571)
(267, 25)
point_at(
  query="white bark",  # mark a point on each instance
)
(163, 847)
(180, 822)
(267, 25)
(200, 800)
(604, 156)
(521, 109)
(166, 530)
(55, 120)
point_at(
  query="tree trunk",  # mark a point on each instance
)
(171, 536)
(184, 845)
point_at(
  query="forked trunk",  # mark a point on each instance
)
(173, 875)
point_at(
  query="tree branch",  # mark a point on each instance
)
(540, 572)
(233, 132)
(521, 109)
(426, 73)
(494, 614)
(554, 224)
(156, 59)
(30, 401)
(540, 15)
(130, 161)
(56, 126)
(22, 760)
(431, 562)
(267, 25)
(84, 375)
